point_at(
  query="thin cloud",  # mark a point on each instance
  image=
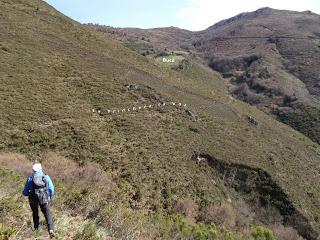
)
(200, 14)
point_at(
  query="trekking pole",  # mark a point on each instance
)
(19, 230)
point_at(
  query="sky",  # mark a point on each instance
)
(193, 15)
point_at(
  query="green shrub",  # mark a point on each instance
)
(201, 231)
(306, 121)
(175, 226)
(9, 207)
(264, 73)
(75, 199)
(89, 232)
(6, 232)
(167, 195)
(261, 233)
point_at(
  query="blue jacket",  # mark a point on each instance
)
(28, 185)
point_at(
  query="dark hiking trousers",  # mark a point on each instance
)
(45, 209)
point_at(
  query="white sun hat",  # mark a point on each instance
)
(37, 167)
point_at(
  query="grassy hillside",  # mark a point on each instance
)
(273, 59)
(270, 57)
(83, 212)
(201, 162)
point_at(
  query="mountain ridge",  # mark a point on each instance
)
(160, 162)
(281, 81)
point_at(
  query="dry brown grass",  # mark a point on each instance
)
(70, 172)
(285, 233)
(187, 208)
(17, 162)
(61, 169)
(219, 215)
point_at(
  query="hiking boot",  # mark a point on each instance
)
(51, 233)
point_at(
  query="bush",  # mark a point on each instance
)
(261, 233)
(6, 232)
(187, 208)
(167, 195)
(201, 231)
(219, 215)
(253, 99)
(162, 54)
(305, 120)
(264, 73)
(70, 172)
(286, 233)
(225, 65)
(88, 233)
(242, 91)
(175, 227)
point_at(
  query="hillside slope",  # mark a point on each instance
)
(159, 161)
(270, 57)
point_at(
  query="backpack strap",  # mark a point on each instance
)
(46, 182)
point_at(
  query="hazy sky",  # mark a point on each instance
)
(187, 14)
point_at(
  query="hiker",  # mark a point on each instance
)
(40, 190)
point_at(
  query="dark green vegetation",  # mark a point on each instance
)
(122, 174)
(306, 120)
(270, 57)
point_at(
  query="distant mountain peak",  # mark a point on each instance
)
(265, 9)
(261, 12)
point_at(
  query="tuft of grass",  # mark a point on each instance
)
(6, 232)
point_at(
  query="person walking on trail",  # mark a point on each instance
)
(40, 190)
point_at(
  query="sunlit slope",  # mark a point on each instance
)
(270, 58)
(54, 71)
